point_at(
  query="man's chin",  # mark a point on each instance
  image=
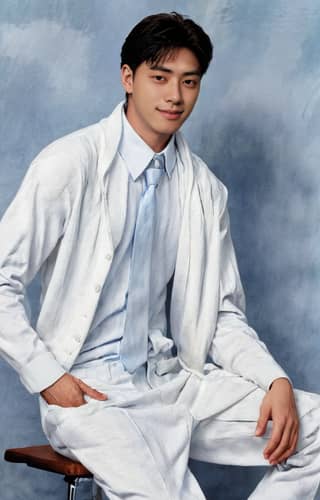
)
(169, 130)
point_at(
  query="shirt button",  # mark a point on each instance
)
(97, 288)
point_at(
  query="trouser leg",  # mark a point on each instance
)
(233, 441)
(138, 454)
(138, 450)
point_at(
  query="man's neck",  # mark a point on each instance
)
(157, 142)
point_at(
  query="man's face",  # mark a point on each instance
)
(161, 97)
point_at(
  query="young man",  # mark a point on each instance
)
(112, 213)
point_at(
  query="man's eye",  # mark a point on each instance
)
(191, 83)
(159, 78)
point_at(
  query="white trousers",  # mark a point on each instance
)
(138, 442)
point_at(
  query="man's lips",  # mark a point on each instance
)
(171, 114)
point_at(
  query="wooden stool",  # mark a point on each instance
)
(45, 458)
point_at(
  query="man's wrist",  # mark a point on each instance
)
(280, 379)
(43, 391)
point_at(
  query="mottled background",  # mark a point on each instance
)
(256, 125)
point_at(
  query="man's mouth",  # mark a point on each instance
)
(170, 114)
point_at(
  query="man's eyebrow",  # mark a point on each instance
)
(167, 70)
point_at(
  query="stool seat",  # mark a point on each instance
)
(45, 458)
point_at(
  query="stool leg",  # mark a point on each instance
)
(71, 491)
(72, 487)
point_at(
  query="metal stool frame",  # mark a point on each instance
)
(45, 458)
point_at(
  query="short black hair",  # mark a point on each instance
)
(157, 36)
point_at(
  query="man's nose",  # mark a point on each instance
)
(174, 94)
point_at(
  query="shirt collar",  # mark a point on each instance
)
(137, 154)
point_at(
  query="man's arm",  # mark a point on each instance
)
(29, 231)
(237, 348)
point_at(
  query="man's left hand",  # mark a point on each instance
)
(279, 406)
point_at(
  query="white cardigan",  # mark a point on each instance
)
(59, 222)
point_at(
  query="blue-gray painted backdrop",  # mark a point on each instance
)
(256, 124)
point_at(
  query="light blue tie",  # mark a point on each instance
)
(134, 345)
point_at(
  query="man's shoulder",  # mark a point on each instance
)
(68, 160)
(77, 154)
(76, 147)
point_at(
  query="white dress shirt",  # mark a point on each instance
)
(133, 157)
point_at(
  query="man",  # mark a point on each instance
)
(111, 214)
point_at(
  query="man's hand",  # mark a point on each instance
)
(69, 391)
(279, 406)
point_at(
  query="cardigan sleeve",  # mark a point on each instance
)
(29, 230)
(236, 346)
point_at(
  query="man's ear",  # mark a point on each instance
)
(127, 78)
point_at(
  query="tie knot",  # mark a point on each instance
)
(158, 161)
(155, 170)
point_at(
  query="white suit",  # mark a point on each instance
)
(59, 221)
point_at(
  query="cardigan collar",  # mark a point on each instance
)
(111, 128)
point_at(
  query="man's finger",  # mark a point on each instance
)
(294, 436)
(286, 455)
(274, 440)
(292, 446)
(290, 451)
(90, 391)
(283, 445)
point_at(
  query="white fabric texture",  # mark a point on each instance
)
(138, 442)
(59, 222)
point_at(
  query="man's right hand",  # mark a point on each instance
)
(69, 391)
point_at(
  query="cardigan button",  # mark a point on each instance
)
(97, 288)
